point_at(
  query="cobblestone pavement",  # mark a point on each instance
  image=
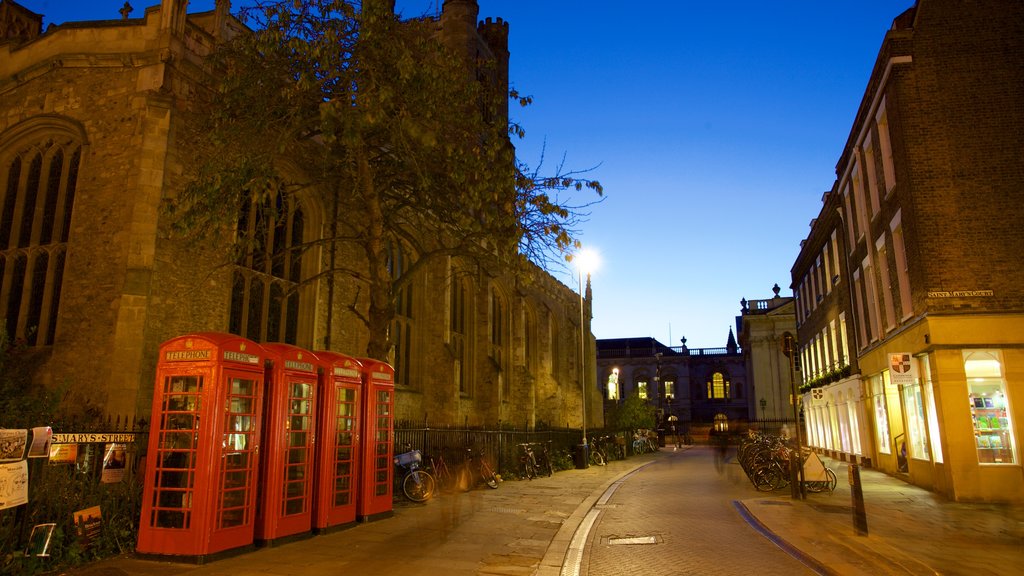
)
(673, 512)
(506, 532)
(676, 517)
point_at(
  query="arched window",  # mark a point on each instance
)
(530, 340)
(613, 384)
(268, 273)
(721, 423)
(460, 315)
(718, 387)
(399, 261)
(499, 339)
(38, 180)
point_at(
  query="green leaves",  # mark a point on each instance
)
(338, 101)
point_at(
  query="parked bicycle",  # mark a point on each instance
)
(417, 484)
(479, 469)
(527, 462)
(767, 458)
(642, 442)
(446, 479)
(597, 454)
(543, 455)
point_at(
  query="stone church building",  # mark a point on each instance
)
(92, 283)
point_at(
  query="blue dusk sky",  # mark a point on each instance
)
(715, 128)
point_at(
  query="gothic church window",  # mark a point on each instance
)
(38, 180)
(399, 261)
(268, 271)
(460, 308)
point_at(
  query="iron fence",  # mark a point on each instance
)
(499, 446)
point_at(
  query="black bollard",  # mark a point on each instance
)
(860, 517)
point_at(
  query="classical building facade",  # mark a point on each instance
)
(704, 389)
(909, 288)
(92, 283)
(701, 388)
(767, 330)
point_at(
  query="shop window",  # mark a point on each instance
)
(917, 435)
(881, 414)
(933, 417)
(990, 413)
(855, 447)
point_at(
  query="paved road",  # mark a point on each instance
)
(676, 516)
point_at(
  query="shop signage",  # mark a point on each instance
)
(902, 369)
(960, 293)
(89, 438)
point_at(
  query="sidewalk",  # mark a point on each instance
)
(910, 530)
(528, 528)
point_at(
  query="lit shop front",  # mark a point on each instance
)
(947, 419)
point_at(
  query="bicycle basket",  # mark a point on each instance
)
(408, 458)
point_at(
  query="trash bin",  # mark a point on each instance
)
(581, 457)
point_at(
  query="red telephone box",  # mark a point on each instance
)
(374, 500)
(200, 492)
(285, 506)
(339, 421)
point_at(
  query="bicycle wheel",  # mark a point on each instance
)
(831, 480)
(488, 475)
(768, 478)
(418, 485)
(526, 469)
(596, 458)
(546, 467)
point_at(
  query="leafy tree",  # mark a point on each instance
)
(387, 123)
(633, 413)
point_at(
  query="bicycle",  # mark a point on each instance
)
(417, 484)
(544, 464)
(597, 454)
(527, 462)
(483, 470)
(446, 480)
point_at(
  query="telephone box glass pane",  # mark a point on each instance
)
(345, 405)
(238, 470)
(175, 458)
(382, 441)
(299, 447)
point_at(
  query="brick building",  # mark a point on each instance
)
(909, 288)
(90, 280)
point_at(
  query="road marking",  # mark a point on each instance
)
(574, 556)
(633, 540)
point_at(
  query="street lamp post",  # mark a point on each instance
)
(585, 262)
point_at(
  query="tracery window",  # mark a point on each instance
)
(36, 199)
(399, 261)
(265, 290)
(458, 331)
